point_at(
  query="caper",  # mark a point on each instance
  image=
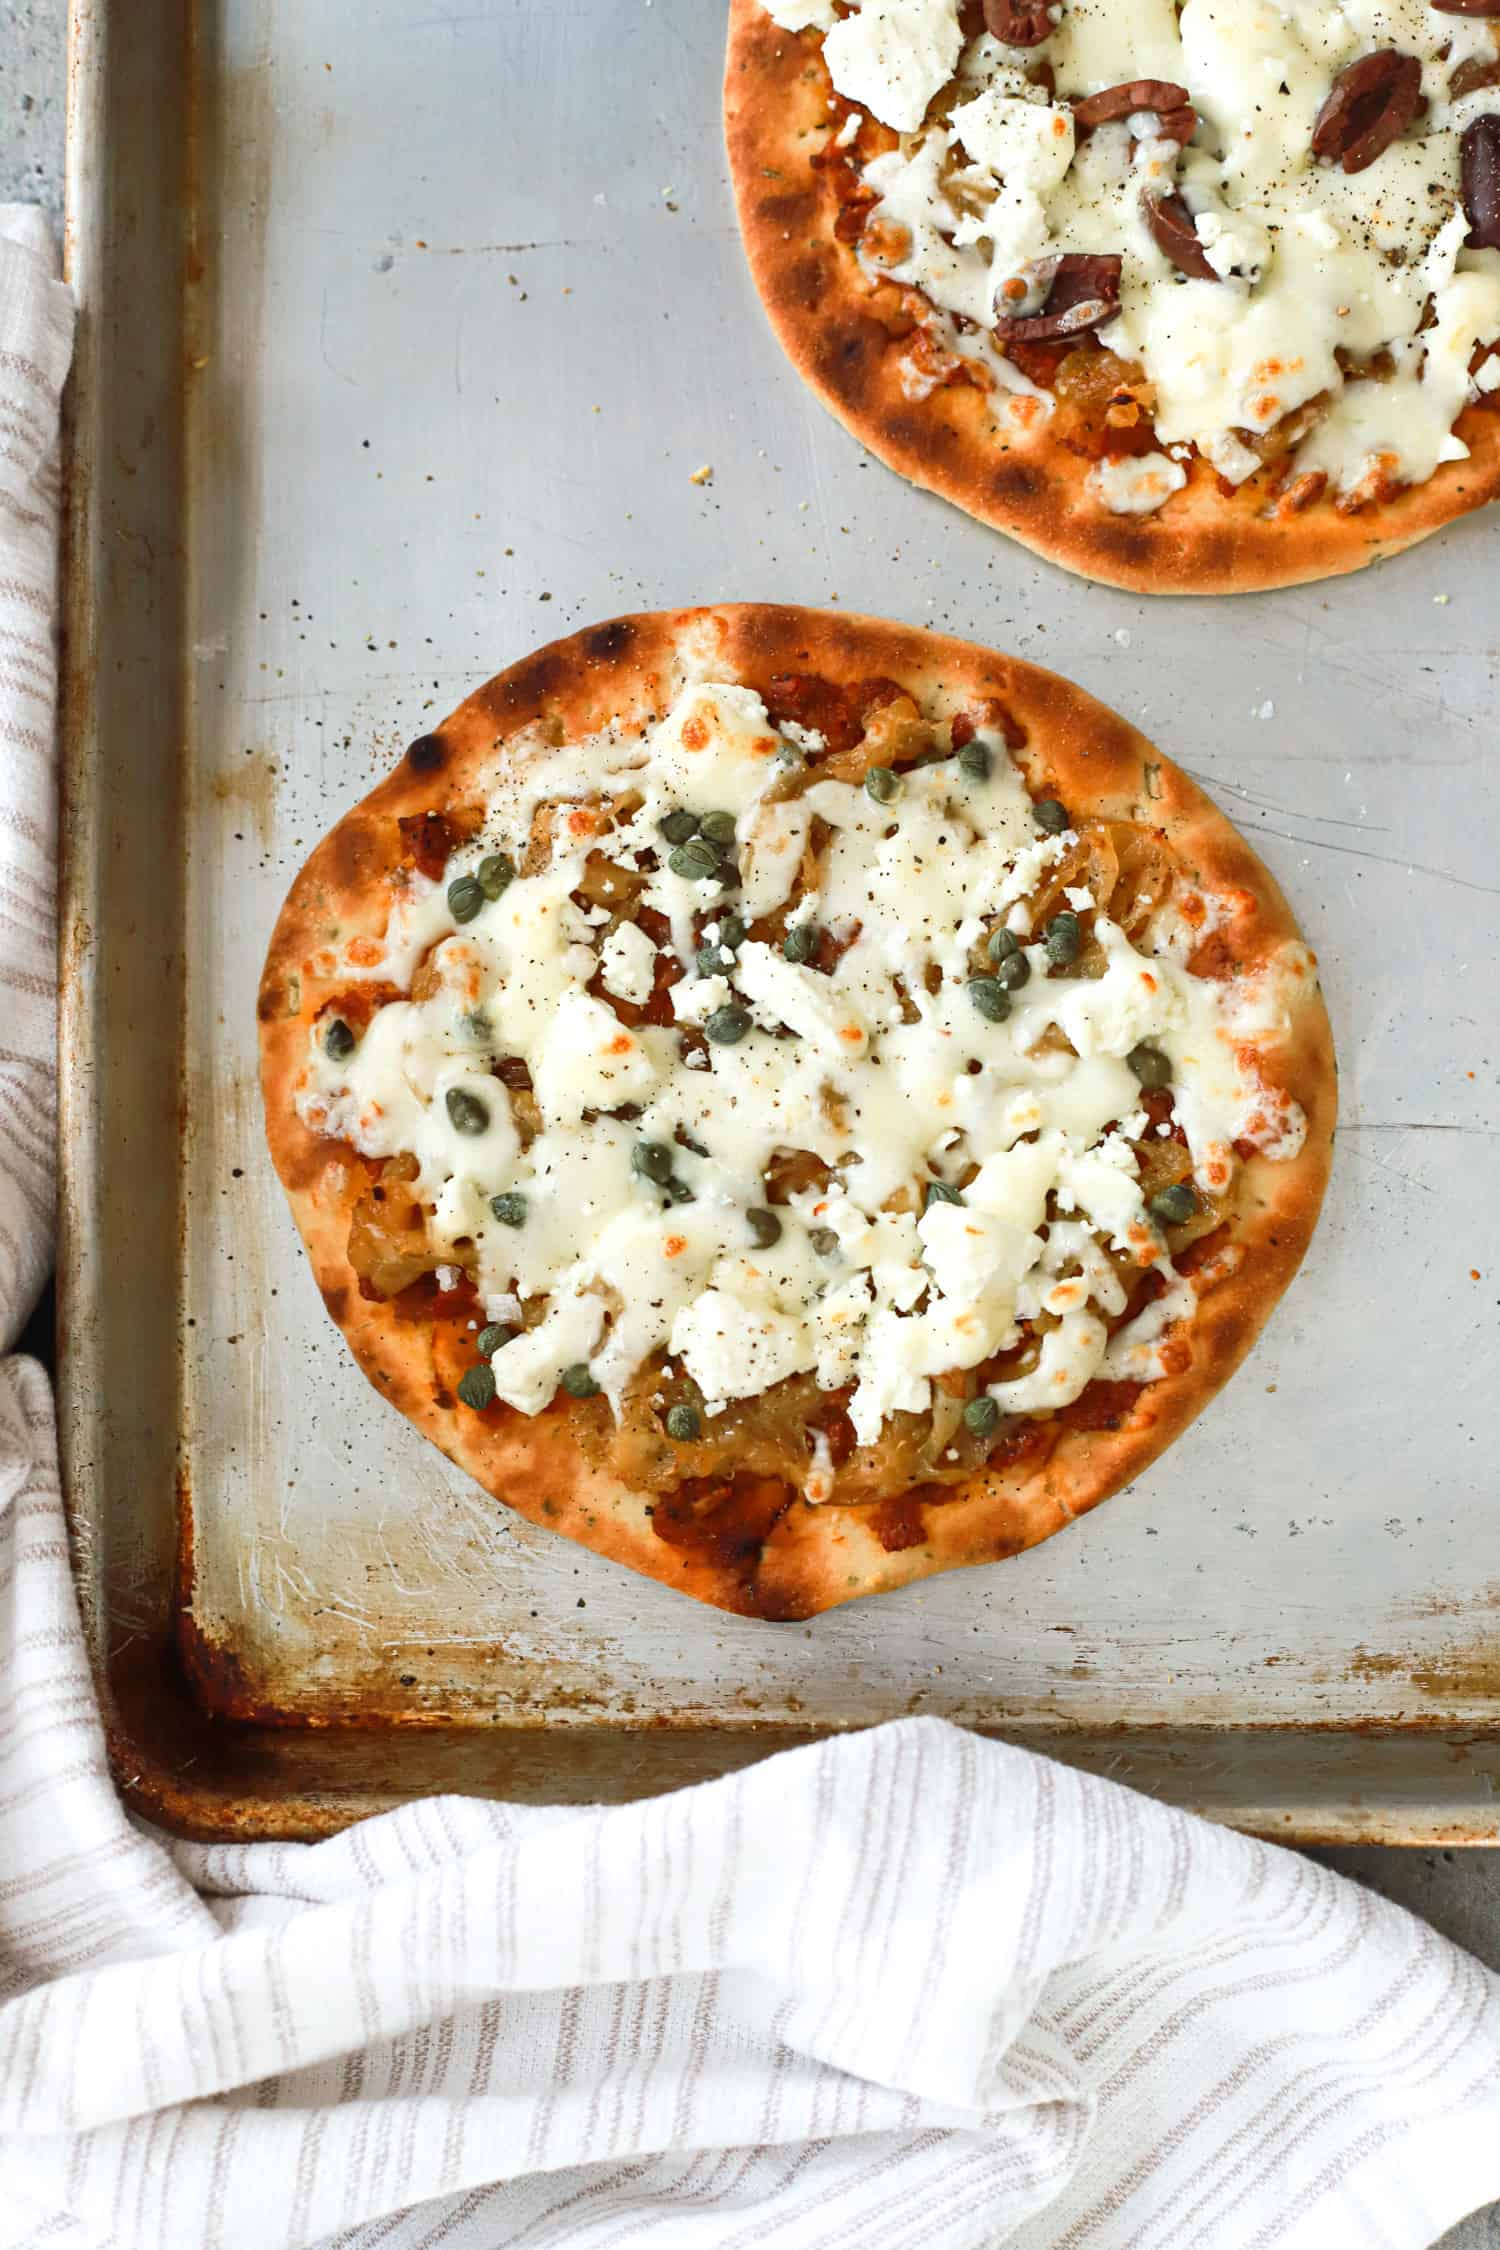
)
(709, 961)
(696, 861)
(1050, 816)
(800, 942)
(494, 1338)
(1003, 943)
(938, 1191)
(974, 760)
(727, 1026)
(578, 1382)
(683, 1424)
(1013, 971)
(989, 997)
(652, 1159)
(676, 1191)
(678, 826)
(882, 784)
(1171, 1206)
(510, 1209)
(718, 827)
(731, 931)
(765, 1227)
(1063, 938)
(338, 1040)
(824, 1241)
(982, 1416)
(476, 1386)
(466, 1112)
(495, 874)
(465, 898)
(1151, 1067)
(728, 873)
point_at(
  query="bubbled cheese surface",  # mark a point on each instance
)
(865, 1287)
(1319, 270)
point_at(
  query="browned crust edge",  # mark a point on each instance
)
(816, 1557)
(819, 303)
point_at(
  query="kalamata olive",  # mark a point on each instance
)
(1173, 231)
(1371, 105)
(1479, 164)
(1082, 293)
(1020, 23)
(1168, 102)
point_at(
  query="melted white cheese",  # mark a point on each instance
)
(1317, 267)
(884, 1069)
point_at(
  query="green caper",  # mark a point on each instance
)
(1050, 816)
(718, 827)
(683, 1424)
(1002, 944)
(731, 931)
(465, 898)
(1013, 971)
(974, 760)
(882, 784)
(476, 1386)
(578, 1382)
(495, 874)
(652, 1160)
(989, 997)
(1063, 938)
(1171, 1206)
(678, 826)
(494, 1338)
(676, 1191)
(824, 1241)
(938, 1191)
(510, 1209)
(982, 1416)
(800, 943)
(765, 1227)
(727, 1026)
(338, 1040)
(466, 1112)
(1151, 1067)
(709, 961)
(696, 861)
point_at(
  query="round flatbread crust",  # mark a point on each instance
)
(816, 1555)
(821, 306)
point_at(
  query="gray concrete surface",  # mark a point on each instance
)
(1458, 1892)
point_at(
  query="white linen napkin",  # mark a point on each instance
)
(904, 1989)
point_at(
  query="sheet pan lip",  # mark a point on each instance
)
(255, 1793)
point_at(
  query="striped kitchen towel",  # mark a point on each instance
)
(904, 1991)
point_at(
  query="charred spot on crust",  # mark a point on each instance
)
(336, 1298)
(606, 642)
(789, 214)
(806, 281)
(849, 353)
(426, 754)
(528, 686)
(1017, 481)
(1124, 543)
(273, 1000)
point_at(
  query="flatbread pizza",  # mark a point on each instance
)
(1189, 298)
(791, 1102)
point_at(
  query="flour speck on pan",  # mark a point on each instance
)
(1194, 299)
(792, 1102)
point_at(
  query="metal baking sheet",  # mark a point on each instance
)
(405, 330)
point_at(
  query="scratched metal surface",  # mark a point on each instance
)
(462, 310)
